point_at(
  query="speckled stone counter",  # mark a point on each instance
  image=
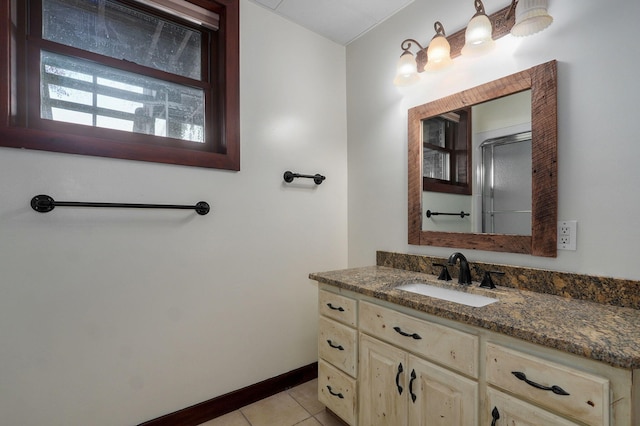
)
(602, 332)
(612, 291)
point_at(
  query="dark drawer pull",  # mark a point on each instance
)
(495, 415)
(339, 347)
(413, 378)
(416, 336)
(555, 389)
(339, 395)
(339, 308)
(400, 370)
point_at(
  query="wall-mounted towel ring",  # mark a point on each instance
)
(44, 204)
(289, 176)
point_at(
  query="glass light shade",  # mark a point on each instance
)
(531, 17)
(407, 70)
(478, 36)
(438, 54)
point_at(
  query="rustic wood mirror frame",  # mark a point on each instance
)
(542, 80)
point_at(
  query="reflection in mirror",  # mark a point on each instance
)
(505, 185)
(446, 142)
(494, 188)
(537, 213)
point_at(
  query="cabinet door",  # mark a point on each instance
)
(505, 410)
(382, 384)
(439, 397)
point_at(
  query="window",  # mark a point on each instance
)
(151, 80)
(446, 143)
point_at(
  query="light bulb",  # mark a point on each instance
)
(438, 54)
(478, 36)
(407, 70)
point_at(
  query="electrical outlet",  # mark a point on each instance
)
(567, 234)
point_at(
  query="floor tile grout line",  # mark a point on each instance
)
(303, 407)
(244, 417)
(289, 393)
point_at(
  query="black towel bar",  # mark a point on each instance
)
(289, 176)
(461, 214)
(44, 204)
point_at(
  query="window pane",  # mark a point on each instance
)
(73, 89)
(433, 131)
(436, 164)
(112, 29)
(71, 116)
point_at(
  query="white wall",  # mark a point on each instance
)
(448, 203)
(598, 145)
(114, 317)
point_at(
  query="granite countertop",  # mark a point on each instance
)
(605, 333)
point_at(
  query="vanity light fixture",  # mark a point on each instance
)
(478, 34)
(531, 17)
(439, 50)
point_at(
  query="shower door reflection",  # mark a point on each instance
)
(506, 184)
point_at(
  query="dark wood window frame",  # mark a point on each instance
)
(221, 149)
(458, 149)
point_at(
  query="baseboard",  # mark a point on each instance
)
(216, 407)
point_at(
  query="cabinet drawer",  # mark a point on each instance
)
(443, 345)
(337, 344)
(338, 307)
(588, 395)
(337, 392)
(514, 412)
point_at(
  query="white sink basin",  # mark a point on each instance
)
(455, 296)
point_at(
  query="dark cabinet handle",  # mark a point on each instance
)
(339, 395)
(339, 347)
(400, 370)
(413, 378)
(555, 389)
(339, 308)
(495, 415)
(398, 330)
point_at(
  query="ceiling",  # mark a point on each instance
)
(339, 20)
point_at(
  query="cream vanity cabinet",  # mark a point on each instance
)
(401, 367)
(398, 385)
(338, 354)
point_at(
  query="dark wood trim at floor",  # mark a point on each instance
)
(216, 407)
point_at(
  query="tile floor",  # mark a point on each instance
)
(297, 406)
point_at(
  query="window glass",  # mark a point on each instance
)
(118, 31)
(83, 92)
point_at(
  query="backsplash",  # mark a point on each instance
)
(611, 291)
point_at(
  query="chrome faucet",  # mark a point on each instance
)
(465, 273)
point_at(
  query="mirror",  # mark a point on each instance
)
(540, 84)
(477, 168)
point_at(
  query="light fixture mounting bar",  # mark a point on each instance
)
(501, 21)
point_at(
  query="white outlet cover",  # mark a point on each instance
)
(567, 234)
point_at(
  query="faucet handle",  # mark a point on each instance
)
(444, 274)
(487, 282)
